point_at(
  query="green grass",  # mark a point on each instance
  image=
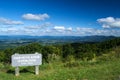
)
(84, 70)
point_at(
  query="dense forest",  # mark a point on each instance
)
(62, 52)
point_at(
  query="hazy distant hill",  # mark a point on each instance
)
(13, 41)
(59, 38)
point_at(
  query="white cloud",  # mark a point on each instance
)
(59, 28)
(62, 29)
(10, 31)
(41, 30)
(13, 29)
(28, 32)
(85, 30)
(10, 22)
(91, 31)
(41, 26)
(109, 22)
(106, 20)
(47, 31)
(38, 17)
(81, 31)
(69, 29)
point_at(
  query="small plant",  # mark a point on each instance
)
(1, 66)
(71, 62)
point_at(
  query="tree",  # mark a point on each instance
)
(2, 56)
(8, 53)
(67, 50)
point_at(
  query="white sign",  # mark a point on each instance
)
(26, 59)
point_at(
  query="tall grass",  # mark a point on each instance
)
(82, 70)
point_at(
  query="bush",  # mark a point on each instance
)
(71, 62)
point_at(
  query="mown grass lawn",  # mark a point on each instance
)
(107, 70)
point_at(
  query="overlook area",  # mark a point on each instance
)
(59, 40)
(68, 61)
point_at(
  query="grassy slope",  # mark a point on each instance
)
(107, 70)
(105, 67)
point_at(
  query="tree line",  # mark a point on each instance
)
(62, 51)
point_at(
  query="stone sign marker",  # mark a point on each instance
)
(26, 60)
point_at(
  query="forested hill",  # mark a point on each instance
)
(62, 51)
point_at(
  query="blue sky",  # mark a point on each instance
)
(60, 17)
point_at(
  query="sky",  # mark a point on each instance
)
(60, 17)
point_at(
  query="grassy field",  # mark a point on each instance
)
(77, 70)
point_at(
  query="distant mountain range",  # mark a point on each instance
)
(58, 38)
(76, 38)
(14, 41)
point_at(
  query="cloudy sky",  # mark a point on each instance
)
(60, 17)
